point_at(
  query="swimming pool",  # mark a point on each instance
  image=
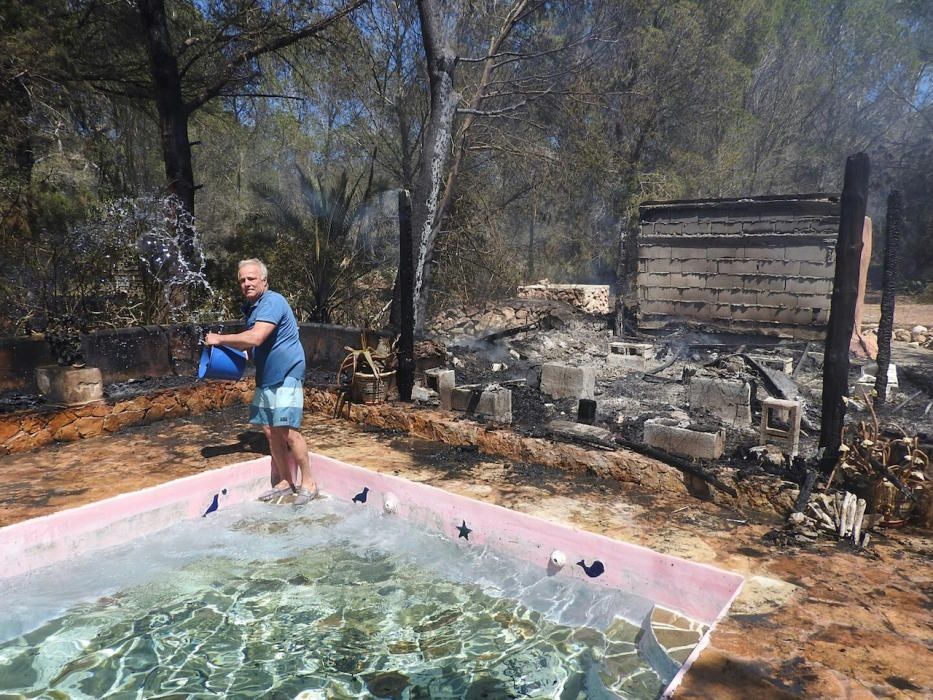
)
(407, 591)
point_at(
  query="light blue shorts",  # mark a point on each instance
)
(278, 405)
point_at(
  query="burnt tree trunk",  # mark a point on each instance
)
(892, 242)
(441, 62)
(842, 309)
(406, 346)
(173, 113)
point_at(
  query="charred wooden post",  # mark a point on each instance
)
(405, 374)
(627, 272)
(586, 411)
(842, 308)
(892, 242)
(806, 488)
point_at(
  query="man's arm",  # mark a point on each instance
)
(247, 340)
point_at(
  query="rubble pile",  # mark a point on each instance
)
(728, 405)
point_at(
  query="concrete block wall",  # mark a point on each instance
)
(757, 265)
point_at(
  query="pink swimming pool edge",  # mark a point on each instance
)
(698, 591)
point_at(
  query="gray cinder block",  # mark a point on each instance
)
(727, 399)
(562, 381)
(667, 435)
(493, 402)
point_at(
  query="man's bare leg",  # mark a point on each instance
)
(278, 478)
(278, 446)
(298, 450)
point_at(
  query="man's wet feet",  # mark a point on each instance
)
(305, 495)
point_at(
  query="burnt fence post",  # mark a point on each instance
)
(405, 374)
(892, 243)
(842, 310)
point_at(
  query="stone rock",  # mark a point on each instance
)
(70, 385)
(8, 428)
(89, 427)
(118, 421)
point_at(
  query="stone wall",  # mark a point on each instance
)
(155, 351)
(589, 298)
(762, 265)
(27, 430)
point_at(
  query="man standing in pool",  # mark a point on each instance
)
(271, 337)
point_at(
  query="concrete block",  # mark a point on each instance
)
(737, 267)
(442, 381)
(728, 282)
(704, 295)
(780, 424)
(437, 378)
(701, 266)
(719, 252)
(812, 286)
(757, 226)
(782, 268)
(729, 400)
(731, 228)
(71, 386)
(665, 228)
(666, 434)
(654, 279)
(654, 252)
(493, 402)
(688, 253)
(562, 381)
(737, 296)
(660, 266)
(630, 355)
(797, 317)
(810, 253)
(687, 280)
(764, 252)
(809, 269)
(696, 228)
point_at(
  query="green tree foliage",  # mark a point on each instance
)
(568, 116)
(324, 262)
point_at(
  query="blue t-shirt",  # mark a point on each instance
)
(281, 354)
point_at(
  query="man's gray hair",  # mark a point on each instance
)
(263, 270)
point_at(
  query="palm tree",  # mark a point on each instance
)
(319, 247)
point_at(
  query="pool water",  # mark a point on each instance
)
(329, 601)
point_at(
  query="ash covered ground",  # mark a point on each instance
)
(626, 398)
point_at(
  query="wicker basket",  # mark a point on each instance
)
(368, 388)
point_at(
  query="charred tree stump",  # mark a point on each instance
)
(806, 488)
(406, 346)
(892, 242)
(842, 308)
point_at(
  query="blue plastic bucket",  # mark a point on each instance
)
(221, 362)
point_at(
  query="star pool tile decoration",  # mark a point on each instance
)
(464, 531)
